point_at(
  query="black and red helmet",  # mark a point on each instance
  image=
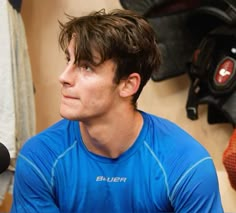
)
(213, 76)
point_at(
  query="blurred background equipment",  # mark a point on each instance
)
(180, 26)
(229, 160)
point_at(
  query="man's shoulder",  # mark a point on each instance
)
(159, 122)
(41, 152)
(54, 139)
(166, 133)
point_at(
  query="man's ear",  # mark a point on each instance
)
(130, 86)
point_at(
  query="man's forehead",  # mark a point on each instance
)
(73, 48)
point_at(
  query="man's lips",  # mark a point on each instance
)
(69, 97)
(66, 96)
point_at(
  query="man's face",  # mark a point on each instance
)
(87, 91)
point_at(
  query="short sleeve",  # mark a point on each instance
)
(198, 190)
(31, 190)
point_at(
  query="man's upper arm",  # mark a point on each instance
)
(198, 190)
(32, 191)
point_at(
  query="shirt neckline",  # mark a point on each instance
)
(125, 155)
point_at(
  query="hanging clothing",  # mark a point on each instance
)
(22, 80)
(16, 4)
(17, 108)
(7, 105)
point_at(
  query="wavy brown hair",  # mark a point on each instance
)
(121, 35)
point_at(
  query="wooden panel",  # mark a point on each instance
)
(6, 205)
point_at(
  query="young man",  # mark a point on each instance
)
(105, 155)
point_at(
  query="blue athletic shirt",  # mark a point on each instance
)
(165, 170)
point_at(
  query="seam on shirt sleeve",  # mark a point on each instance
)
(57, 160)
(186, 173)
(161, 166)
(38, 171)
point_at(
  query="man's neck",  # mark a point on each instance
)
(112, 138)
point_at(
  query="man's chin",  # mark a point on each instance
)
(69, 116)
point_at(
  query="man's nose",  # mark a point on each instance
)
(67, 76)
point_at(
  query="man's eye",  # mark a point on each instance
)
(85, 68)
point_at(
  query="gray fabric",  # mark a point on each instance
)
(22, 80)
(7, 107)
(5, 180)
(17, 107)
